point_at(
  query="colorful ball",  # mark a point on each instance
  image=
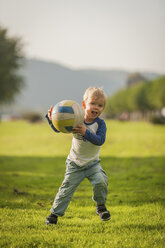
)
(66, 115)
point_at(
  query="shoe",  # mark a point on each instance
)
(51, 219)
(103, 212)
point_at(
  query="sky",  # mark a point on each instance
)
(100, 34)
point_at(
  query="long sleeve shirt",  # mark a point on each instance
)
(86, 149)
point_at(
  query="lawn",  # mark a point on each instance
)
(32, 166)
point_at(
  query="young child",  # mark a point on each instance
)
(83, 160)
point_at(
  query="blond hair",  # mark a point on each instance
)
(94, 92)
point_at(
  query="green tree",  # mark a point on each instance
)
(143, 97)
(156, 95)
(134, 79)
(11, 59)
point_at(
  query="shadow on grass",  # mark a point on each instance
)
(32, 182)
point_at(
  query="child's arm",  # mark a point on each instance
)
(96, 139)
(49, 119)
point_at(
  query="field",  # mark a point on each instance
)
(32, 166)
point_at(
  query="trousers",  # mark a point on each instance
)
(74, 175)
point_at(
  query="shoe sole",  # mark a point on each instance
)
(104, 215)
(49, 224)
(105, 219)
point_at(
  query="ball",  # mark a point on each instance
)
(66, 115)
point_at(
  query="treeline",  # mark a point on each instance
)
(142, 98)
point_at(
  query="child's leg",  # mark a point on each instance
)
(73, 178)
(99, 181)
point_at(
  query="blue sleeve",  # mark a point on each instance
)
(98, 138)
(51, 124)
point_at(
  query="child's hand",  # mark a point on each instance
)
(50, 113)
(79, 129)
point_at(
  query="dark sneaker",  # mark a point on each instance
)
(51, 219)
(103, 212)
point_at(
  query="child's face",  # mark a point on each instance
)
(93, 107)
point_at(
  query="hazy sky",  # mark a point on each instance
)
(109, 34)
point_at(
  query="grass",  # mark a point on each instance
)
(32, 166)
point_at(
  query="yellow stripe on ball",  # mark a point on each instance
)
(61, 125)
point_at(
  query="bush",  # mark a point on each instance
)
(32, 117)
(157, 120)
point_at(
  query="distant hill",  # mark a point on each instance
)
(47, 83)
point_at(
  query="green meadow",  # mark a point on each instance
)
(32, 167)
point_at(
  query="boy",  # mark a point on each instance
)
(83, 160)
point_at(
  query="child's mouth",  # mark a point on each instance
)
(94, 112)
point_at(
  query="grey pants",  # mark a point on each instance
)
(73, 177)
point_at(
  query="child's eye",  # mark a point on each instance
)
(100, 106)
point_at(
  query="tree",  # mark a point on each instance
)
(141, 99)
(134, 79)
(144, 97)
(11, 59)
(157, 93)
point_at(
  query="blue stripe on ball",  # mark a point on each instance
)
(64, 109)
(69, 128)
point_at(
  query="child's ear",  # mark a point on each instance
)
(83, 104)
